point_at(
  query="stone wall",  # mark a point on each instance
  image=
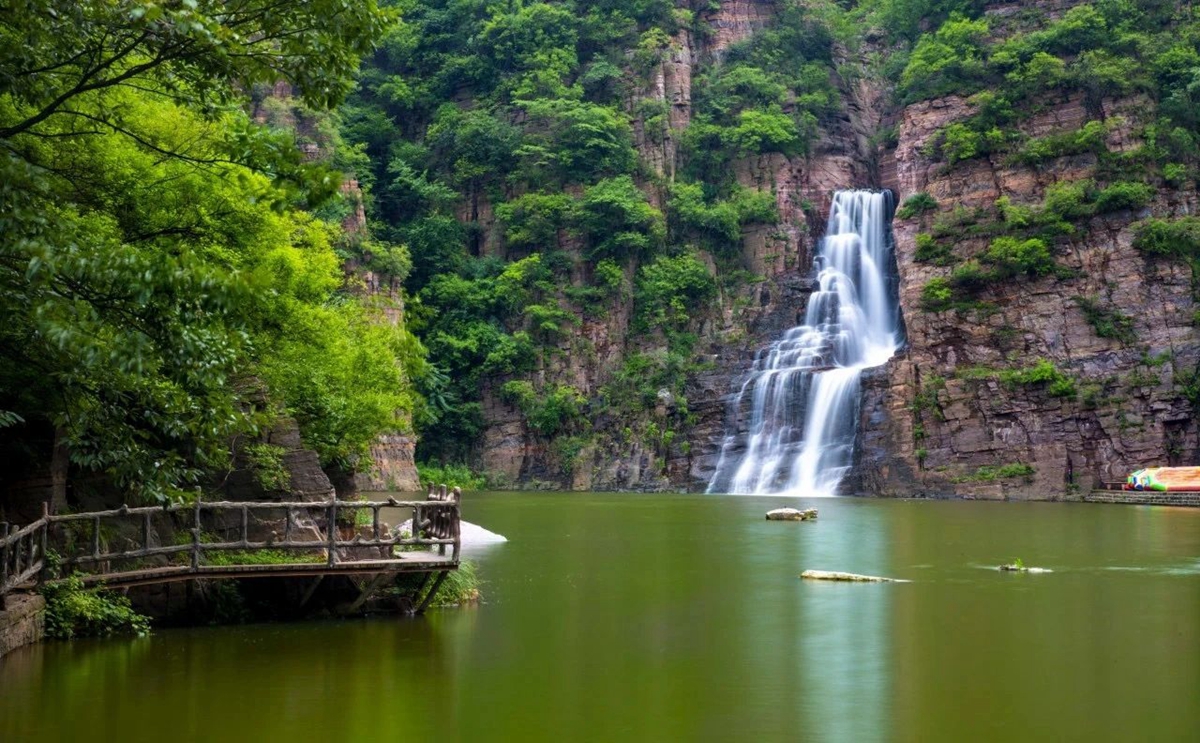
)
(22, 622)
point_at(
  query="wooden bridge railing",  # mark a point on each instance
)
(80, 541)
(22, 553)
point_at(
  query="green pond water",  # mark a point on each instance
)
(682, 618)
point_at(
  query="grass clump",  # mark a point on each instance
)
(991, 473)
(1043, 372)
(1108, 322)
(929, 250)
(460, 587)
(261, 557)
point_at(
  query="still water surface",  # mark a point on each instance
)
(681, 618)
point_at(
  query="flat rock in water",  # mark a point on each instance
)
(1010, 568)
(847, 577)
(792, 514)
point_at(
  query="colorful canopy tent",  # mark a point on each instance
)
(1168, 479)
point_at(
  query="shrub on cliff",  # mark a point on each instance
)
(1044, 372)
(618, 220)
(1179, 238)
(718, 222)
(951, 60)
(548, 411)
(1012, 257)
(1108, 322)
(930, 250)
(937, 295)
(670, 289)
(915, 205)
(1123, 195)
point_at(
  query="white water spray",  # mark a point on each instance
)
(803, 390)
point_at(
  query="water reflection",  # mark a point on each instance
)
(847, 638)
(612, 618)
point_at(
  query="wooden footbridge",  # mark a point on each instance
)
(125, 547)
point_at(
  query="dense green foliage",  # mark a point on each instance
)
(172, 270)
(450, 475)
(162, 286)
(1011, 67)
(532, 113)
(1099, 50)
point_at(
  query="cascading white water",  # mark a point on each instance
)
(803, 390)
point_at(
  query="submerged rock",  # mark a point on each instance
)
(792, 514)
(847, 577)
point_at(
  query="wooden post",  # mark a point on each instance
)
(416, 523)
(16, 550)
(196, 538)
(146, 530)
(45, 538)
(384, 552)
(3, 559)
(287, 526)
(96, 538)
(432, 592)
(332, 527)
(245, 525)
(457, 516)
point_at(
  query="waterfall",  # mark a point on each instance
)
(802, 393)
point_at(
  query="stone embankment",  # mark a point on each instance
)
(1143, 498)
(22, 622)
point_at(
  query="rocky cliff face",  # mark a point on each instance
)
(748, 316)
(940, 419)
(934, 424)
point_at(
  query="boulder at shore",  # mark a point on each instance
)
(847, 577)
(792, 514)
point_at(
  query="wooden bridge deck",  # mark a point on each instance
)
(221, 540)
